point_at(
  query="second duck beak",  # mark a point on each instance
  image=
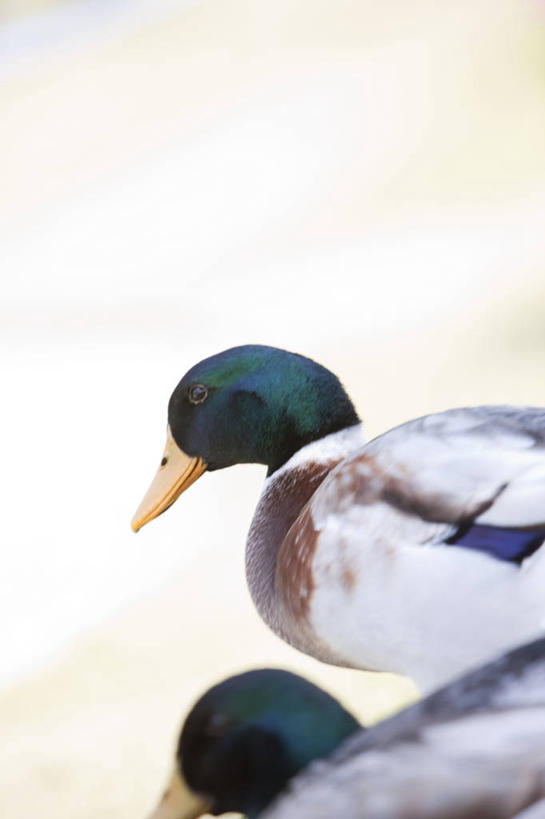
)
(176, 472)
(178, 802)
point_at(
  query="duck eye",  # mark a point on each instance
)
(164, 461)
(197, 393)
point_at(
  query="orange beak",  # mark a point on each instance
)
(178, 802)
(176, 473)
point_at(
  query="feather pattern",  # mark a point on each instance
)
(419, 552)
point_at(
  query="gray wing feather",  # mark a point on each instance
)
(474, 749)
(483, 463)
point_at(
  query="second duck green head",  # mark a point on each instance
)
(246, 738)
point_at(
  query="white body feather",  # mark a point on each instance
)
(426, 612)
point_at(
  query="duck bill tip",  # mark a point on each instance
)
(179, 802)
(176, 473)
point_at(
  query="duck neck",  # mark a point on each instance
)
(284, 495)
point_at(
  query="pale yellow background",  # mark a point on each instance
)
(362, 182)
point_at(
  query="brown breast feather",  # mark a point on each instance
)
(294, 575)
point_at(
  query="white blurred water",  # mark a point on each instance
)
(27, 41)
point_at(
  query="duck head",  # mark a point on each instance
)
(250, 404)
(245, 738)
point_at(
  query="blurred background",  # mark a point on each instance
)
(358, 181)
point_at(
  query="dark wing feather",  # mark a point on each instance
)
(513, 545)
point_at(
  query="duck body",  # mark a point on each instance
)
(475, 748)
(419, 552)
(274, 746)
(350, 560)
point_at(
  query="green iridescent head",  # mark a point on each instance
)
(256, 404)
(246, 737)
(250, 404)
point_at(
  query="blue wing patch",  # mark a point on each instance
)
(512, 545)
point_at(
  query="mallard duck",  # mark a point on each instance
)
(473, 749)
(419, 552)
(246, 738)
